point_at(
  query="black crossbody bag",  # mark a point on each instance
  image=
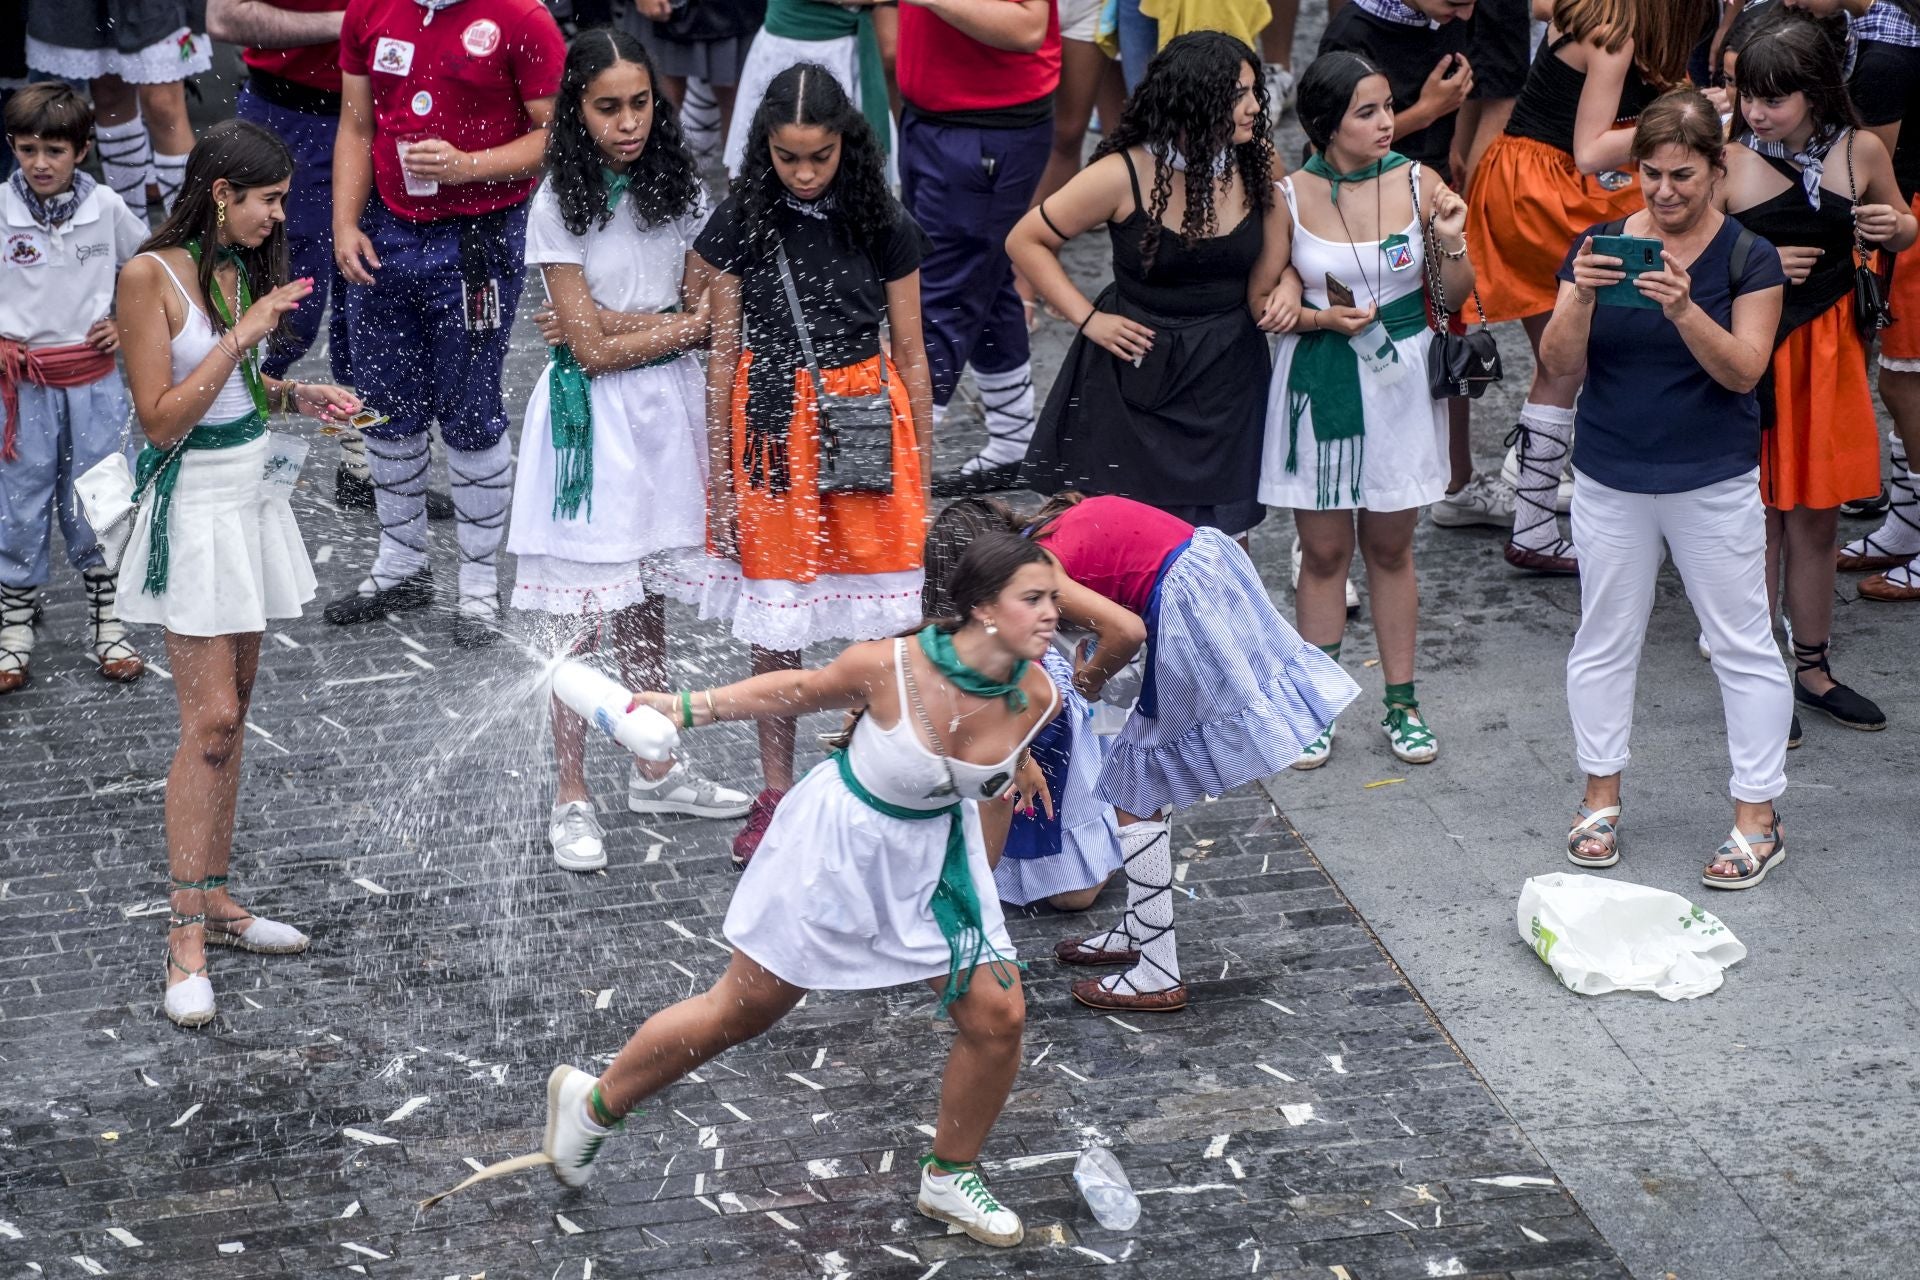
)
(1458, 364)
(856, 432)
(1870, 310)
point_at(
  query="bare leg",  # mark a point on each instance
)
(1386, 545)
(675, 88)
(164, 108)
(1459, 443)
(982, 1064)
(743, 1003)
(640, 645)
(1326, 553)
(725, 94)
(776, 736)
(1809, 583)
(1080, 899)
(1602, 792)
(204, 782)
(114, 100)
(1276, 40)
(1900, 392)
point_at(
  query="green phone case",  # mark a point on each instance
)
(1636, 254)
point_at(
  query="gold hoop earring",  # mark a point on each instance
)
(220, 213)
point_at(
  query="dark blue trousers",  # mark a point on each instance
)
(309, 208)
(966, 188)
(414, 358)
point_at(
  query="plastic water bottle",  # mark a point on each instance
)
(602, 703)
(1108, 1193)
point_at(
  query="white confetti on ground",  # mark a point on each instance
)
(817, 1088)
(187, 1115)
(1096, 1255)
(1338, 1063)
(232, 1246)
(87, 1264)
(363, 1251)
(1297, 1113)
(369, 886)
(1450, 1267)
(1218, 1147)
(369, 1139)
(1516, 1180)
(10, 1232)
(350, 1210)
(567, 1224)
(1533, 1235)
(780, 1219)
(125, 1237)
(1276, 1073)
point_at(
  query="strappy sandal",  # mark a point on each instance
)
(1600, 825)
(1738, 848)
(260, 936)
(118, 660)
(188, 1003)
(19, 615)
(1408, 735)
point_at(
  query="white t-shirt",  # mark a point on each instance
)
(55, 284)
(629, 268)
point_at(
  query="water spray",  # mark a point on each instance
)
(604, 704)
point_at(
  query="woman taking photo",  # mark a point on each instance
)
(828, 545)
(1159, 398)
(1561, 165)
(874, 873)
(1807, 178)
(1352, 446)
(612, 469)
(215, 552)
(1667, 451)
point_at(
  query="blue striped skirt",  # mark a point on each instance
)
(1237, 693)
(1079, 847)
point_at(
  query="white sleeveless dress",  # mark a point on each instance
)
(837, 898)
(1405, 461)
(235, 558)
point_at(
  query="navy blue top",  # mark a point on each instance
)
(1651, 419)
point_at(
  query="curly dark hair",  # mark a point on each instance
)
(1185, 105)
(665, 184)
(806, 93)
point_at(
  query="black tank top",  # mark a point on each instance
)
(1201, 278)
(1787, 220)
(1550, 99)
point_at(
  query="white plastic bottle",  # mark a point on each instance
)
(1107, 1190)
(603, 703)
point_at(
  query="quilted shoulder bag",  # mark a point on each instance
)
(856, 432)
(1458, 364)
(1870, 310)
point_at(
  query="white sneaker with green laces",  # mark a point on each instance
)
(572, 1139)
(1409, 737)
(962, 1200)
(685, 793)
(1317, 752)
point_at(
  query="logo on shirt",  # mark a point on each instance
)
(395, 57)
(23, 250)
(88, 252)
(422, 103)
(1398, 251)
(481, 38)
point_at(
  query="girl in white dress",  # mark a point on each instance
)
(612, 467)
(1353, 442)
(873, 873)
(215, 551)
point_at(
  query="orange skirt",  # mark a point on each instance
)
(1901, 339)
(798, 535)
(1525, 205)
(1824, 447)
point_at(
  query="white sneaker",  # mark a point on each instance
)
(963, 1201)
(1510, 476)
(576, 836)
(686, 793)
(1353, 596)
(1700, 643)
(1317, 752)
(1279, 82)
(572, 1142)
(1484, 499)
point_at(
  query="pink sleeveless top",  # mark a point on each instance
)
(1115, 546)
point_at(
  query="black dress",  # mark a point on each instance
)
(1183, 431)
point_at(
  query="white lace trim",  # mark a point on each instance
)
(1899, 366)
(162, 62)
(787, 616)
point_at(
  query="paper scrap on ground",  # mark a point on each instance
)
(499, 1169)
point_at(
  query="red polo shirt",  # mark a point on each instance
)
(944, 71)
(463, 75)
(316, 66)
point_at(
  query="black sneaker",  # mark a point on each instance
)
(963, 484)
(1867, 508)
(439, 505)
(412, 592)
(351, 492)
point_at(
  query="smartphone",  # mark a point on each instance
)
(1338, 294)
(1637, 254)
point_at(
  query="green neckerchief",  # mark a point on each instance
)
(819, 20)
(955, 904)
(938, 646)
(616, 185)
(570, 413)
(1325, 374)
(160, 468)
(1317, 166)
(250, 362)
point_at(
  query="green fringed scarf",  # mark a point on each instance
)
(159, 469)
(1325, 375)
(938, 646)
(570, 412)
(243, 289)
(955, 905)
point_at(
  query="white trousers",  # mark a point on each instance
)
(1718, 538)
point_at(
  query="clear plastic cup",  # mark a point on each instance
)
(415, 186)
(1106, 1188)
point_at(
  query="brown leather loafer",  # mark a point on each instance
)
(1076, 951)
(1541, 561)
(1878, 588)
(1855, 564)
(11, 680)
(123, 670)
(1089, 992)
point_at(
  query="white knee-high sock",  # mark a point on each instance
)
(125, 156)
(1147, 848)
(1899, 533)
(399, 470)
(168, 173)
(353, 453)
(1006, 402)
(482, 490)
(700, 118)
(1545, 431)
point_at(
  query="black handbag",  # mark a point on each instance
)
(1458, 364)
(1870, 310)
(856, 432)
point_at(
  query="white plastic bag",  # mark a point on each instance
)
(1600, 935)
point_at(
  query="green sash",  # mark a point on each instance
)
(160, 468)
(820, 20)
(956, 907)
(570, 414)
(1325, 375)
